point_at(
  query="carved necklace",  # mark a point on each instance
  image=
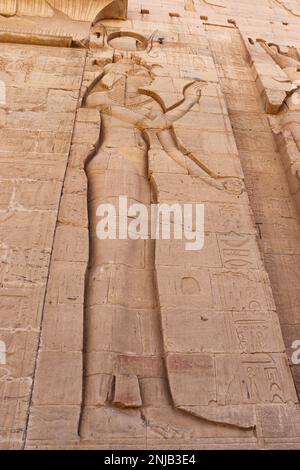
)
(118, 97)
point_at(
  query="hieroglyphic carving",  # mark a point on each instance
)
(286, 124)
(287, 59)
(2, 353)
(256, 332)
(241, 290)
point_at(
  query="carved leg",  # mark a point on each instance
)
(122, 331)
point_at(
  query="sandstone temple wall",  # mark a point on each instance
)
(126, 344)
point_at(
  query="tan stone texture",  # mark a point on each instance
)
(141, 344)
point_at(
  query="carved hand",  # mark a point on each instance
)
(233, 185)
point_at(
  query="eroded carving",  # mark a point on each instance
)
(286, 124)
(253, 379)
(189, 5)
(54, 21)
(288, 59)
(214, 3)
(137, 142)
(76, 10)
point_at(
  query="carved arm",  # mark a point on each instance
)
(103, 103)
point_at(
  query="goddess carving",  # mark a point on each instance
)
(122, 318)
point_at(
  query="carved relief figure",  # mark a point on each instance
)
(76, 10)
(65, 20)
(122, 318)
(287, 122)
(215, 3)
